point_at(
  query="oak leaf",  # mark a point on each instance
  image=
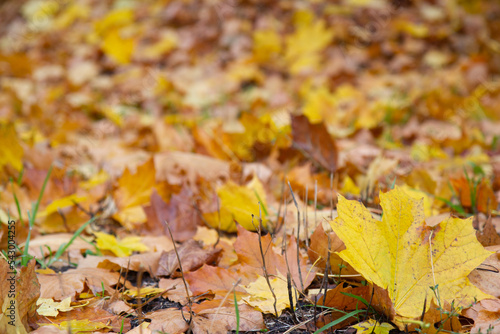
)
(405, 256)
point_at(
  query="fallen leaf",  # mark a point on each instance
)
(168, 320)
(262, 297)
(120, 248)
(49, 308)
(18, 294)
(73, 281)
(315, 141)
(386, 252)
(12, 153)
(373, 326)
(486, 275)
(241, 204)
(180, 214)
(219, 281)
(192, 257)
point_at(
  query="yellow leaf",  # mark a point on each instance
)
(143, 292)
(12, 151)
(135, 189)
(167, 43)
(78, 326)
(405, 256)
(50, 308)
(372, 326)
(266, 44)
(94, 180)
(130, 217)
(303, 48)
(61, 204)
(350, 187)
(120, 248)
(418, 194)
(118, 48)
(239, 203)
(262, 298)
(115, 19)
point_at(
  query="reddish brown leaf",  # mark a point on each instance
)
(315, 141)
(192, 257)
(180, 214)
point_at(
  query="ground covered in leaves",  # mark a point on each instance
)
(211, 166)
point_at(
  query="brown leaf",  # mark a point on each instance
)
(315, 141)
(250, 319)
(18, 294)
(335, 298)
(73, 281)
(487, 276)
(180, 214)
(217, 280)
(137, 262)
(192, 257)
(318, 249)
(168, 320)
(484, 314)
(92, 312)
(488, 236)
(175, 290)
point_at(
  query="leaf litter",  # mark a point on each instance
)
(214, 164)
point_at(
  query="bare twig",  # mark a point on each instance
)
(183, 280)
(264, 269)
(306, 220)
(298, 237)
(315, 203)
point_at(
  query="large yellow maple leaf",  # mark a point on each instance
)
(406, 257)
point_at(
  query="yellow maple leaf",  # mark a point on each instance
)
(371, 326)
(405, 256)
(12, 151)
(266, 44)
(239, 203)
(303, 48)
(118, 48)
(120, 248)
(135, 189)
(262, 298)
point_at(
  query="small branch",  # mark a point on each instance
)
(266, 274)
(298, 238)
(183, 280)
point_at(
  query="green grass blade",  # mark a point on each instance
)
(65, 246)
(237, 311)
(31, 218)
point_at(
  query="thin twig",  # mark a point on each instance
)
(183, 280)
(264, 269)
(306, 220)
(315, 203)
(298, 237)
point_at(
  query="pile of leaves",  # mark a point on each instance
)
(241, 165)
